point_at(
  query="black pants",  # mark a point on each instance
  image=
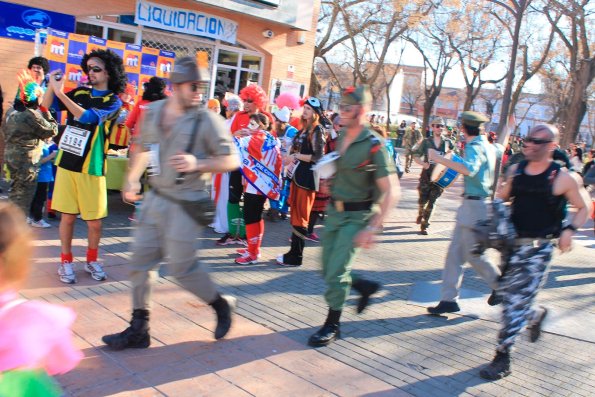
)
(235, 187)
(39, 199)
(253, 206)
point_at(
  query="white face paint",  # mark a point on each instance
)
(253, 125)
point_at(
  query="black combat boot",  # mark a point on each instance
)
(295, 255)
(495, 298)
(329, 331)
(224, 306)
(498, 368)
(366, 288)
(136, 336)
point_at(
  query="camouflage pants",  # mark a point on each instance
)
(408, 159)
(428, 194)
(24, 178)
(519, 285)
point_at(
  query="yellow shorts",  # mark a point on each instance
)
(78, 193)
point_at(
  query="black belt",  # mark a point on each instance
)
(474, 197)
(341, 206)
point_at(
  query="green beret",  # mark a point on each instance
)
(359, 95)
(473, 119)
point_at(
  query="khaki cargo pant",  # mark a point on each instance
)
(164, 233)
(462, 242)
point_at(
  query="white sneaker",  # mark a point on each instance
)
(66, 273)
(42, 224)
(96, 271)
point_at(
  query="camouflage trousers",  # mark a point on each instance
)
(428, 194)
(408, 159)
(519, 285)
(24, 182)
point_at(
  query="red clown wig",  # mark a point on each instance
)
(256, 94)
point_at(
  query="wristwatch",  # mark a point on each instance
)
(569, 226)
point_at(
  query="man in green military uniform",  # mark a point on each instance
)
(428, 190)
(365, 176)
(411, 141)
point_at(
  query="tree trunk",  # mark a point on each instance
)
(572, 114)
(314, 85)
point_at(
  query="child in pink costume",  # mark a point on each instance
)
(35, 336)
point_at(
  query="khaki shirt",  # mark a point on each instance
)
(358, 169)
(25, 132)
(211, 140)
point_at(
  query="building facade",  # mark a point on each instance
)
(265, 42)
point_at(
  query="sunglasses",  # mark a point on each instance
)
(438, 125)
(314, 102)
(95, 69)
(249, 101)
(195, 87)
(536, 141)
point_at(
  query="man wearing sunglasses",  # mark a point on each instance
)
(363, 191)
(429, 191)
(478, 168)
(80, 186)
(182, 145)
(539, 190)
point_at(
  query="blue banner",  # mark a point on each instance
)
(185, 21)
(20, 22)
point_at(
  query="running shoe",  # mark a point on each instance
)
(66, 273)
(96, 271)
(40, 224)
(313, 237)
(227, 239)
(246, 260)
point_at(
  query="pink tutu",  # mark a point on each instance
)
(36, 334)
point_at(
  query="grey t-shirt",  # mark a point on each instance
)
(211, 140)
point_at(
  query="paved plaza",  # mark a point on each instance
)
(393, 349)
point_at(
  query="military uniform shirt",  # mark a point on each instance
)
(480, 160)
(358, 168)
(106, 106)
(445, 146)
(211, 139)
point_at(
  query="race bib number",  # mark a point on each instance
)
(74, 140)
(153, 168)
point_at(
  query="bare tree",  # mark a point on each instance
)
(412, 94)
(430, 39)
(578, 71)
(477, 45)
(516, 9)
(332, 33)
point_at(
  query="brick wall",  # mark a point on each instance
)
(279, 52)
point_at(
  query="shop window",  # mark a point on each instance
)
(228, 58)
(248, 78)
(251, 62)
(89, 29)
(225, 81)
(121, 35)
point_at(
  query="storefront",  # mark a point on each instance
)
(268, 42)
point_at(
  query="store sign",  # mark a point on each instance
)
(20, 22)
(185, 21)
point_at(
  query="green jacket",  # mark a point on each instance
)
(25, 132)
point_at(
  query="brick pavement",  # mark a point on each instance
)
(393, 349)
